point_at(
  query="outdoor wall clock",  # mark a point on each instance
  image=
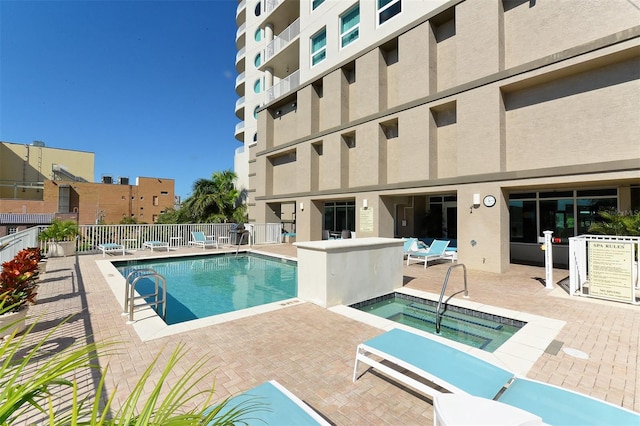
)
(489, 201)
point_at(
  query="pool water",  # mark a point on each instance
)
(202, 286)
(477, 329)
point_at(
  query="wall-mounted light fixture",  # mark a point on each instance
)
(301, 207)
(293, 105)
(365, 204)
(278, 112)
(476, 202)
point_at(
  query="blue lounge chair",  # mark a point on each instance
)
(436, 251)
(200, 240)
(461, 372)
(111, 248)
(155, 245)
(281, 407)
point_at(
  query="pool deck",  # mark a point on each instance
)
(311, 350)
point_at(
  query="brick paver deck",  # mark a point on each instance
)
(311, 350)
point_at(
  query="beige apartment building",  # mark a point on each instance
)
(482, 121)
(39, 183)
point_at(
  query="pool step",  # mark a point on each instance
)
(458, 316)
(446, 327)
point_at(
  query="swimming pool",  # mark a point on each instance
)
(203, 286)
(474, 328)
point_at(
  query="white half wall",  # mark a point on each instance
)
(342, 272)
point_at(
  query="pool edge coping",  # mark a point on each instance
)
(149, 326)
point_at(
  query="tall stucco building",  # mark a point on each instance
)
(482, 121)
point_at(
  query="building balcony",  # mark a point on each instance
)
(240, 59)
(240, 80)
(240, 108)
(239, 133)
(241, 13)
(241, 36)
(283, 87)
(284, 39)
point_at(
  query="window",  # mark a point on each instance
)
(12, 230)
(387, 9)
(255, 112)
(258, 9)
(319, 47)
(350, 26)
(257, 60)
(155, 200)
(316, 3)
(258, 35)
(340, 215)
(256, 86)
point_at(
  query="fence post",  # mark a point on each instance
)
(548, 259)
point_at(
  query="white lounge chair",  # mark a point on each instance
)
(461, 372)
(111, 248)
(436, 251)
(201, 240)
(281, 407)
(155, 245)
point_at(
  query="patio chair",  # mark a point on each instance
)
(111, 248)
(461, 372)
(281, 407)
(155, 245)
(436, 251)
(345, 234)
(200, 240)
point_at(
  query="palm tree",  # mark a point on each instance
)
(213, 200)
(617, 223)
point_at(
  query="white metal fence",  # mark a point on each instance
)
(133, 236)
(621, 277)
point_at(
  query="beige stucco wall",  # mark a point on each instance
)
(26, 163)
(553, 26)
(468, 122)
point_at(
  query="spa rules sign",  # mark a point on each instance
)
(611, 270)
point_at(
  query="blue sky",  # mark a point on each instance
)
(148, 86)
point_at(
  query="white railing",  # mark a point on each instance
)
(240, 79)
(10, 245)
(242, 5)
(132, 236)
(285, 86)
(240, 54)
(282, 40)
(239, 103)
(619, 263)
(270, 5)
(241, 30)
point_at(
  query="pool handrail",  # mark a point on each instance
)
(444, 287)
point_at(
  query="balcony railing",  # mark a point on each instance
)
(282, 40)
(241, 6)
(241, 29)
(240, 103)
(285, 86)
(240, 54)
(240, 79)
(270, 5)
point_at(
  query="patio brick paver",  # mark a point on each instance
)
(311, 350)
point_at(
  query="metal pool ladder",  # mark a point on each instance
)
(444, 287)
(130, 287)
